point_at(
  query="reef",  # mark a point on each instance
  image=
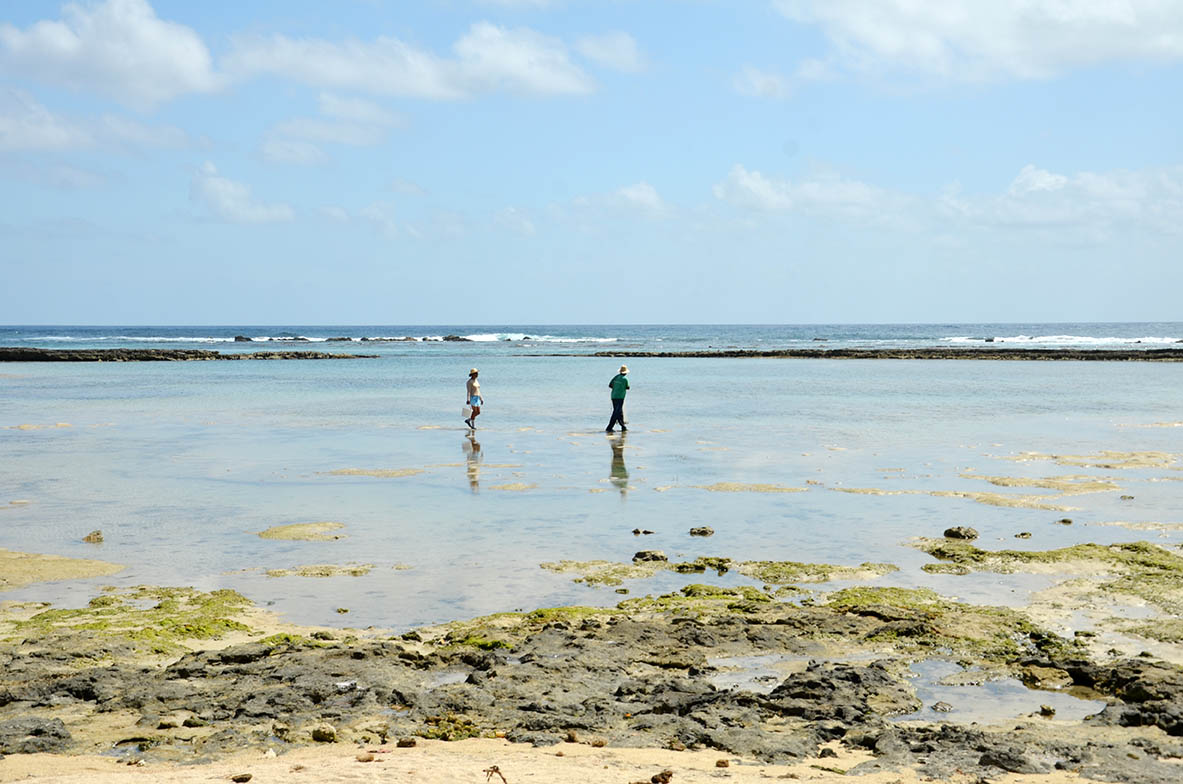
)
(178, 674)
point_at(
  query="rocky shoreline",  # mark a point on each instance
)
(115, 678)
(1002, 354)
(15, 354)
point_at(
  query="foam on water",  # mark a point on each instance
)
(1075, 341)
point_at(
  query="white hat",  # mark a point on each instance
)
(624, 368)
(472, 372)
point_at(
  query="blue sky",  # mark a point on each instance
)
(598, 161)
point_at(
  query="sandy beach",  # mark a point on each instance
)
(438, 762)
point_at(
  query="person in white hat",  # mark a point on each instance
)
(619, 386)
(472, 397)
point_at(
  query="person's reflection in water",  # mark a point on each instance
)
(472, 457)
(619, 471)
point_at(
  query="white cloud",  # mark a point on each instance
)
(756, 83)
(519, 60)
(119, 48)
(515, 219)
(407, 187)
(318, 130)
(1096, 202)
(53, 175)
(823, 194)
(69, 177)
(641, 195)
(120, 130)
(488, 58)
(292, 151)
(336, 214)
(752, 189)
(357, 110)
(380, 215)
(386, 66)
(350, 121)
(27, 125)
(1031, 180)
(1098, 205)
(983, 39)
(613, 50)
(232, 201)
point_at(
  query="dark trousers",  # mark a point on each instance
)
(617, 415)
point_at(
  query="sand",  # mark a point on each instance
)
(17, 569)
(379, 473)
(304, 532)
(467, 761)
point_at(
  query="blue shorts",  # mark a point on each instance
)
(475, 401)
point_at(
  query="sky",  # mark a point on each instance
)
(590, 161)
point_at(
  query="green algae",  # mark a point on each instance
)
(504, 629)
(449, 727)
(1009, 501)
(547, 615)
(293, 640)
(304, 532)
(605, 572)
(1144, 570)
(1163, 629)
(154, 620)
(945, 568)
(743, 487)
(613, 573)
(1105, 459)
(1074, 484)
(322, 570)
(719, 565)
(700, 599)
(788, 572)
(921, 620)
(18, 569)
(701, 591)
(483, 643)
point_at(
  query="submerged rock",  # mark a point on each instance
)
(649, 555)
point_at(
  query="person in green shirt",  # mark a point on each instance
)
(619, 386)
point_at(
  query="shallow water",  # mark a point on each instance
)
(994, 700)
(181, 464)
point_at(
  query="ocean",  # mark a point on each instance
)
(180, 465)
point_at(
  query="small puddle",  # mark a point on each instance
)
(760, 674)
(757, 674)
(993, 700)
(447, 678)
